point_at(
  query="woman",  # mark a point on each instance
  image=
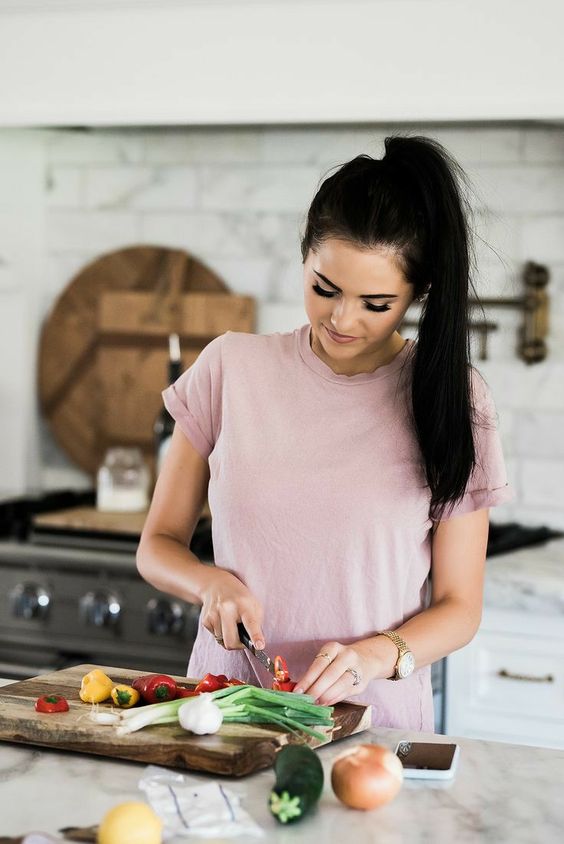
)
(350, 470)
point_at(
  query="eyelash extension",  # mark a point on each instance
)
(322, 292)
(368, 305)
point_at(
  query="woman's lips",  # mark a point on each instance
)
(339, 338)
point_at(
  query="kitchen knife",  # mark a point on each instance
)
(262, 657)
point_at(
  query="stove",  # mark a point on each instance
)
(71, 595)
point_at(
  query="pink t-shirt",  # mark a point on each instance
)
(319, 503)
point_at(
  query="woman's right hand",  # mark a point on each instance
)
(225, 602)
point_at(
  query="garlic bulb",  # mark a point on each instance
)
(200, 715)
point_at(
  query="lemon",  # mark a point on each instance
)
(130, 823)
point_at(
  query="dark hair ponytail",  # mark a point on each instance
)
(413, 201)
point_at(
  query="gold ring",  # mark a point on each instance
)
(326, 657)
(219, 640)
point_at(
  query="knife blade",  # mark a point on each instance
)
(262, 656)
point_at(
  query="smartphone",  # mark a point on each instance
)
(428, 760)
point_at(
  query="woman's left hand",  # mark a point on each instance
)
(338, 672)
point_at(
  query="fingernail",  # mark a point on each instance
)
(298, 691)
(259, 645)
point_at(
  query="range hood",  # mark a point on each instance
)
(237, 62)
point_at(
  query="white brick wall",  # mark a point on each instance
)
(237, 199)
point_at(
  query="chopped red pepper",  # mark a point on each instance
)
(51, 703)
(282, 683)
(281, 669)
(182, 691)
(212, 682)
(155, 688)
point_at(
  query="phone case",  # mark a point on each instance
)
(427, 773)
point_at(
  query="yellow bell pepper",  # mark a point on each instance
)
(95, 687)
(125, 696)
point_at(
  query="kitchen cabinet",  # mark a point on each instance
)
(508, 683)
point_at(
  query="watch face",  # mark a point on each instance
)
(406, 664)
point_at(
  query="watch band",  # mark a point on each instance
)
(400, 645)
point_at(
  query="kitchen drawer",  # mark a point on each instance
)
(507, 684)
(517, 675)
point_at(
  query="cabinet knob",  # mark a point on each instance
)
(29, 600)
(164, 617)
(100, 609)
(530, 678)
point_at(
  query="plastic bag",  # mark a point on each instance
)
(202, 809)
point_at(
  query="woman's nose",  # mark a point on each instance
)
(343, 317)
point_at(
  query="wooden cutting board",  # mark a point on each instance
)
(236, 750)
(91, 520)
(103, 350)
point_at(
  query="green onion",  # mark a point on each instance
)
(245, 704)
(132, 720)
(268, 715)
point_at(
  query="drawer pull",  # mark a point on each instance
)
(548, 678)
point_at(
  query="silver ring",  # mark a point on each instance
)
(356, 675)
(326, 657)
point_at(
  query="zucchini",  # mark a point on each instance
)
(299, 783)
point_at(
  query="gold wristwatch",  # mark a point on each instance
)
(406, 661)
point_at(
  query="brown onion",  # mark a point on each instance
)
(366, 776)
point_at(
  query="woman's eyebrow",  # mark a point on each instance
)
(362, 296)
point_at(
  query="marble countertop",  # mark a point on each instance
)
(530, 579)
(501, 793)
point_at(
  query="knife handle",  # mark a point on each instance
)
(244, 636)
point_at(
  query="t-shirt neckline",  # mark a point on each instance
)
(321, 368)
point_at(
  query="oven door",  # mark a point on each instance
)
(60, 608)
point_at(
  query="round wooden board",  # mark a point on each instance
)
(73, 392)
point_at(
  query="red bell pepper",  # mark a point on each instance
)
(212, 682)
(155, 688)
(51, 703)
(281, 669)
(182, 691)
(282, 683)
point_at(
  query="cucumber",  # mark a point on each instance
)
(299, 783)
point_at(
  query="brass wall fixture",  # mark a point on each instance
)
(534, 303)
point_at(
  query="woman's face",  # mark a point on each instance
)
(358, 293)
